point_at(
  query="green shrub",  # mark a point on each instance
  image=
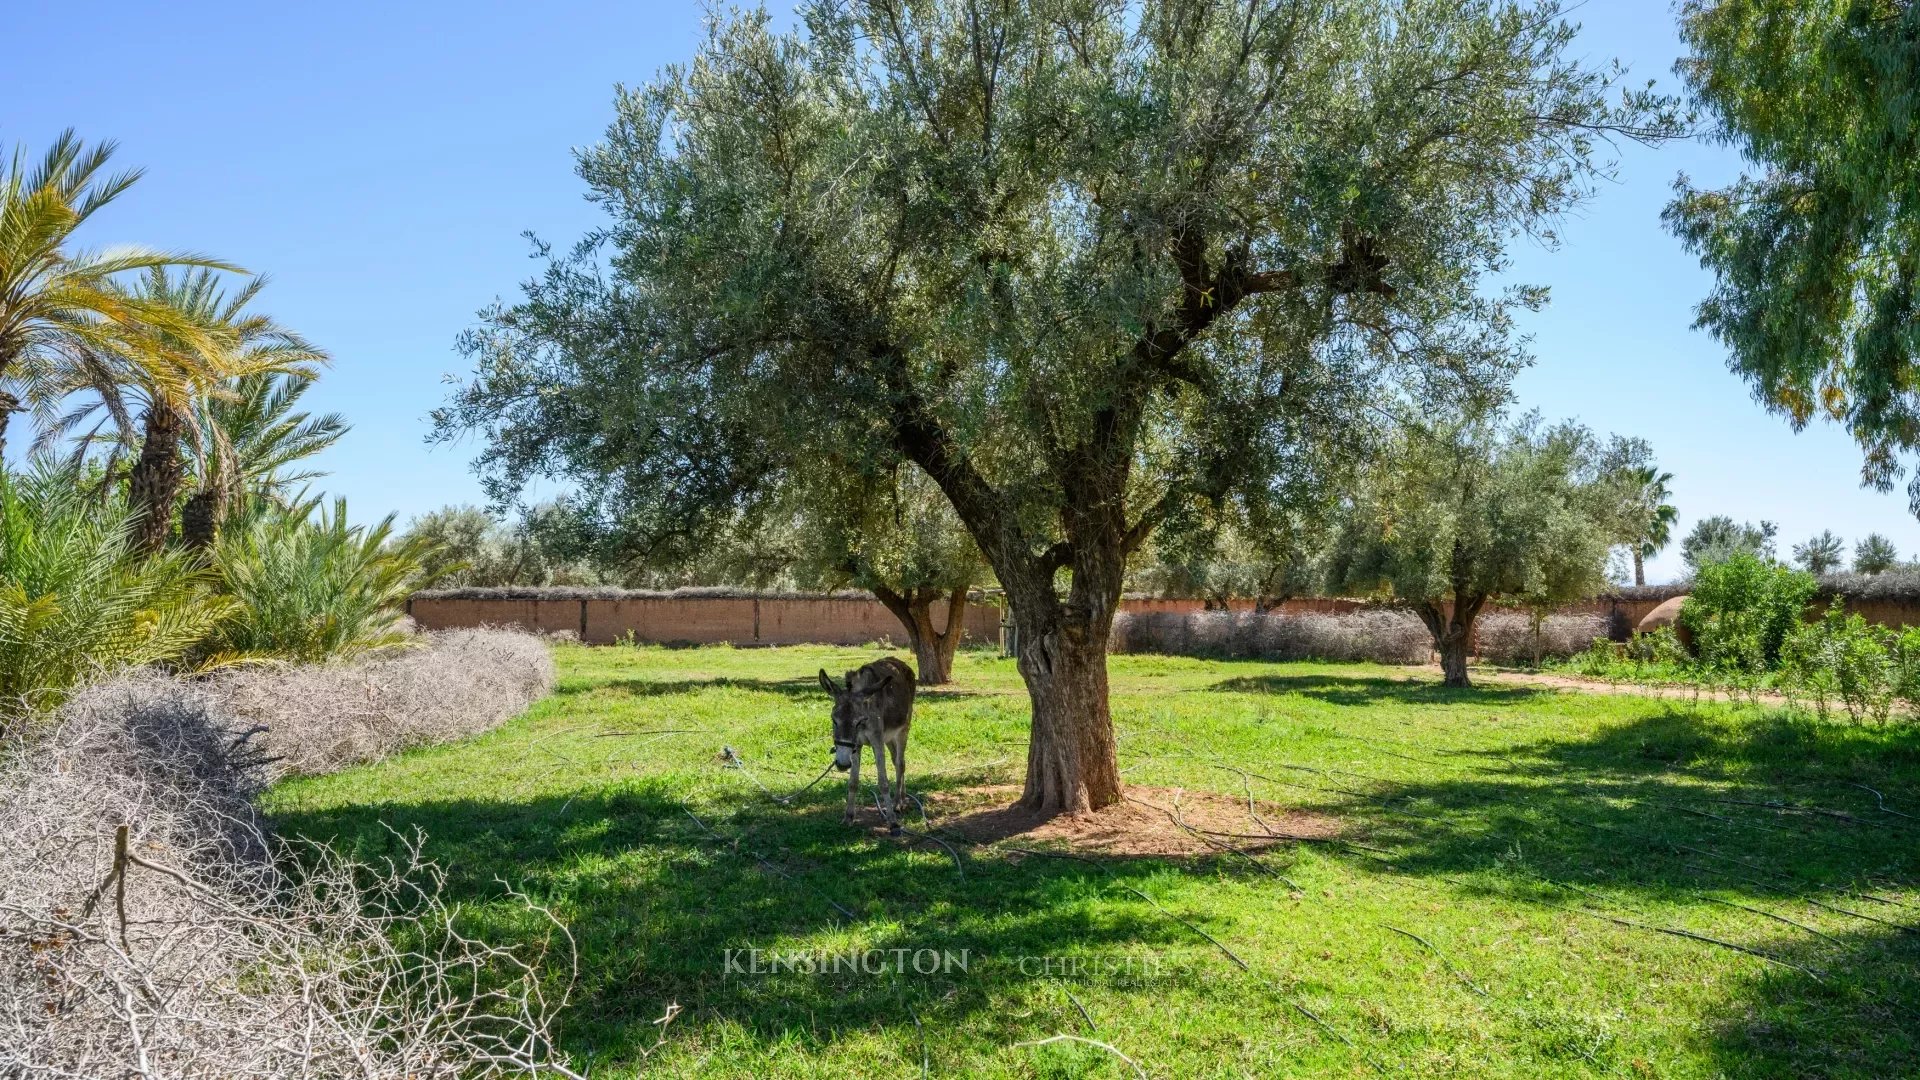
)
(74, 600)
(311, 587)
(1906, 667)
(1660, 649)
(1600, 660)
(1741, 611)
(1843, 656)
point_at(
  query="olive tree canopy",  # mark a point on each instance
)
(1083, 262)
(1456, 516)
(896, 537)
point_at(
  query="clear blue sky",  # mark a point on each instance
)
(380, 161)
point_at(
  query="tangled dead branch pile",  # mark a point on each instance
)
(324, 717)
(151, 926)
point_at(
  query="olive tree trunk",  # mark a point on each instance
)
(1452, 630)
(933, 648)
(1072, 764)
(156, 478)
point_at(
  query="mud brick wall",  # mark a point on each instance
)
(705, 620)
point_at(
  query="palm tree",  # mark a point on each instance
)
(245, 344)
(1823, 554)
(63, 314)
(247, 439)
(1875, 555)
(1655, 517)
(231, 344)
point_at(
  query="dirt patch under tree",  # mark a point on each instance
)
(1152, 822)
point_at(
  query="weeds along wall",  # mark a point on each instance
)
(712, 616)
(1382, 636)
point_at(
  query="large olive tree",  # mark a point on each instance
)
(1081, 262)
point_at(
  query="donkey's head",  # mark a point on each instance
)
(845, 720)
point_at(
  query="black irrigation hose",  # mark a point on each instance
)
(766, 863)
(1217, 845)
(787, 800)
(1290, 1000)
(1671, 931)
(1444, 959)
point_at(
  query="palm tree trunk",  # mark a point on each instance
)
(1639, 568)
(9, 405)
(200, 519)
(156, 478)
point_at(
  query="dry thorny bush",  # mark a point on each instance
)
(208, 948)
(323, 717)
(1508, 637)
(1382, 636)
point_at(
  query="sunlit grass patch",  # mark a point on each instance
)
(1521, 882)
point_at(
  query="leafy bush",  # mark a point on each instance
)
(1843, 656)
(1661, 649)
(1653, 658)
(1906, 666)
(1600, 660)
(312, 587)
(74, 599)
(1741, 611)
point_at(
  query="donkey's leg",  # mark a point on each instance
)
(853, 790)
(899, 746)
(880, 781)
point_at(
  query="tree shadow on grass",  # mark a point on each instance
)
(657, 899)
(1757, 831)
(800, 687)
(647, 688)
(1372, 690)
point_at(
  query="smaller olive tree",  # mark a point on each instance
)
(1719, 538)
(1452, 518)
(469, 546)
(897, 537)
(1225, 553)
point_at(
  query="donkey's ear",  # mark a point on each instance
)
(827, 683)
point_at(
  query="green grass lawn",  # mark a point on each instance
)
(1534, 882)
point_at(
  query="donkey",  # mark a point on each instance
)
(874, 708)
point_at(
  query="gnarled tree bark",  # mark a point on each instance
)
(1452, 630)
(933, 648)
